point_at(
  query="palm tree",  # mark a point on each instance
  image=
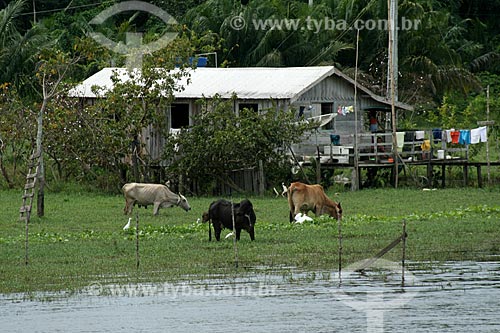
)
(18, 50)
(258, 46)
(437, 53)
(433, 57)
(436, 57)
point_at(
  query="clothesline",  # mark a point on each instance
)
(463, 136)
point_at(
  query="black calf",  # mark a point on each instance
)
(219, 214)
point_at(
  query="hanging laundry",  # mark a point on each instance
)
(437, 134)
(448, 135)
(344, 110)
(400, 137)
(455, 135)
(478, 135)
(426, 146)
(474, 136)
(410, 136)
(426, 149)
(464, 138)
(419, 135)
(483, 134)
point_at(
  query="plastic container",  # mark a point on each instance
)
(441, 154)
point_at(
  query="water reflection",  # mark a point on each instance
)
(446, 297)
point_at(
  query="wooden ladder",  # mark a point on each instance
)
(29, 188)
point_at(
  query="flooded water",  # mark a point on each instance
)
(444, 297)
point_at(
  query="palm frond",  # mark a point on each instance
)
(8, 30)
(484, 61)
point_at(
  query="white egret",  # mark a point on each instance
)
(127, 226)
(301, 218)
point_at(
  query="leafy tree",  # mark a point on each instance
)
(51, 72)
(97, 138)
(15, 133)
(221, 141)
(459, 111)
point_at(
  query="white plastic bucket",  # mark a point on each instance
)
(441, 154)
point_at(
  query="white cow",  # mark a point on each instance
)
(158, 195)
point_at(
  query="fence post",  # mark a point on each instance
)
(26, 231)
(318, 169)
(137, 238)
(404, 254)
(339, 227)
(234, 236)
(379, 255)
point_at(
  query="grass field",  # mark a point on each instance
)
(81, 240)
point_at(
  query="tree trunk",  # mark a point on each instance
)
(5, 174)
(135, 164)
(40, 201)
(2, 166)
(41, 170)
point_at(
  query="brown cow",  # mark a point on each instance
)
(303, 198)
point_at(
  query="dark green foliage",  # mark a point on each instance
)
(222, 140)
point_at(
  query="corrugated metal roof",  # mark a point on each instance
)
(253, 82)
(101, 79)
(246, 83)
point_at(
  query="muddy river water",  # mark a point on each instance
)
(436, 297)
